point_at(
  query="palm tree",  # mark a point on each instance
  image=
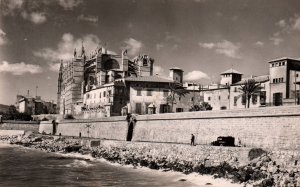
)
(248, 89)
(175, 89)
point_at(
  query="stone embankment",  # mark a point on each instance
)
(251, 167)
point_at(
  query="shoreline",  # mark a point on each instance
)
(258, 172)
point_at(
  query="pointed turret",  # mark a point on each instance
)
(82, 50)
(75, 53)
(59, 86)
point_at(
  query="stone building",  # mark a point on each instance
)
(35, 105)
(103, 84)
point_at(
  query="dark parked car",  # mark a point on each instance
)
(224, 141)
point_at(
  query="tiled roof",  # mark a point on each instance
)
(262, 78)
(231, 71)
(148, 79)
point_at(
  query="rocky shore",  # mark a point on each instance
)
(250, 167)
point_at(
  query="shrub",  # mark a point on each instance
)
(69, 116)
(255, 153)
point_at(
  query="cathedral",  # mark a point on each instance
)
(100, 75)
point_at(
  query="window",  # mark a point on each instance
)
(100, 95)
(88, 96)
(235, 100)
(179, 109)
(283, 63)
(219, 97)
(235, 89)
(149, 92)
(138, 108)
(262, 97)
(104, 94)
(208, 98)
(109, 93)
(139, 92)
(145, 62)
(192, 99)
(297, 75)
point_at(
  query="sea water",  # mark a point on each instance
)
(24, 167)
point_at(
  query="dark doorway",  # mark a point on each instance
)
(130, 132)
(54, 127)
(164, 108)
(277, 99)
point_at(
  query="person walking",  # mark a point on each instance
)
(192, 140)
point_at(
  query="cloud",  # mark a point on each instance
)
(69, 4)
(281, 23)
(276, 39)
(8, 7)
(34, 17)
(171, 37)
(65, 49)
(259, 44)
(88, 18)
(195, 75)
(296, 25)
(207, 45)
(3, 39)
(159, 46)
(199, 1)
(54, 66)
(225, 47)
(133, 46)
(19, 68)
(159, 70)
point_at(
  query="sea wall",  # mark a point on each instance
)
(11, 132)
(114, 128)
(20, 125)
(272, 127)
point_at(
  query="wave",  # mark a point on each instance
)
(79, 163)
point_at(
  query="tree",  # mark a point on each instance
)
(176, 89)
(132, 69)
(248, 89)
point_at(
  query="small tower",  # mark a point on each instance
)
(176, 74)
(124, 65)
(59, 87)
(230, 76)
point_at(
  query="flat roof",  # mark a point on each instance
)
(283, 58)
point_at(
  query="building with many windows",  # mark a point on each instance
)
(104, 84)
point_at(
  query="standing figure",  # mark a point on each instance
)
(193, 140)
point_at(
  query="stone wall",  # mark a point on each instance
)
(272, 127)
(11, 132)
(20, 125)
(262, 127)
(114, 128)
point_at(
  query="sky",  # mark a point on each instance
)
(203, 37)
